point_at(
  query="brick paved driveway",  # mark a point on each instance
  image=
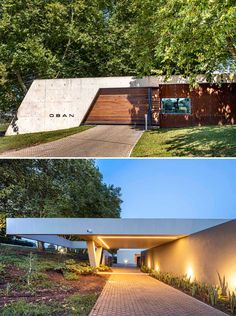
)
(137, 294)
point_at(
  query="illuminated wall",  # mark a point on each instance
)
(200, 255)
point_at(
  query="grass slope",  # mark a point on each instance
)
(210, 141)
(26, 140)
(48, 292)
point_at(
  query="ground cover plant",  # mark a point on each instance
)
(33, 282)
(209, 141)
(32, 139)
(215, 295)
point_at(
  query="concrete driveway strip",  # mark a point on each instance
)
(100, 141)
(141, 295)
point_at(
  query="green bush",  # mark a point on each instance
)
(2, 268)
(70, 262)
(81, 304)
(103, 268)
(70, 276)
(78, 268)
(14, 260)
(209, 294)
(145, 269)
(22, 308)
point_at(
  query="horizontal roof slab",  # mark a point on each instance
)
(108, 226)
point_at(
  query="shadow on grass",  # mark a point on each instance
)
(204, 141)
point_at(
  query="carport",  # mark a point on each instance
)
(96, 234)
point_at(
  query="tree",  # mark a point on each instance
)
(60, 38)
(185, 37)
(47, 39)
(55, 188)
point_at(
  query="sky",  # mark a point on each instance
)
(173, 188)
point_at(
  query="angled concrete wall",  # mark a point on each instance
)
(200, 255)
(63, 103)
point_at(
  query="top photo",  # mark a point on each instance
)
(117, 78)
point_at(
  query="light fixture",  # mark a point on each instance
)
(190, 273)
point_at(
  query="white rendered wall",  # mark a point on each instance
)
(69, 97)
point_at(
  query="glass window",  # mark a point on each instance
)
(176, 105)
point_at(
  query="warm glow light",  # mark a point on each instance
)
(157, 268)
(103, 242)
(140, 237)
(149, 263)
(61, 250)
(133, 237)
(190, 274)
(232, 282)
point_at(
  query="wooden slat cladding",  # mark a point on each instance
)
(211, 105)
(119, 106)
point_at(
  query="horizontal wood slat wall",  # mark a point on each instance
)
(211, 105)
(119, 106)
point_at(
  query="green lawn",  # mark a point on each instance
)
(210, 141)
(25, 140)
(3, 128)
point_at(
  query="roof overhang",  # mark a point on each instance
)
(109, 232)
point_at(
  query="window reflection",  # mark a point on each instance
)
(176, 105)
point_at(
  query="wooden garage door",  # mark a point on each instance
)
(119, 106)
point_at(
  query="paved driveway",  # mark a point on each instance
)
(100, 141)
(137, 294)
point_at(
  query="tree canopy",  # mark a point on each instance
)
(55, 188)
(185, 37)
(79, 38)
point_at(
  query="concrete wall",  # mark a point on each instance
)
(63, 103)
(200, 255)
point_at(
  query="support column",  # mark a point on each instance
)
(98, 255)
(94, 254)
(91, 253)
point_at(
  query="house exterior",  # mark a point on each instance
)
(65, 103)
(198, 248)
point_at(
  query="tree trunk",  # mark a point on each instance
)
(20, 81)
(40, 245)
(232, 48)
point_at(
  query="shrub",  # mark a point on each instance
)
(14, 260)
(81, 304)
(103, 268)
(79, 269)
(2, 268)
(232, 302)
(223, 285)
(70, 276)
(210, 294)
(145, 269)
(213, 295)
(22, 308)
(70, 262)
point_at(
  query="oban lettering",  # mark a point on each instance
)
(61, 115)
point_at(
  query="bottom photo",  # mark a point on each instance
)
(117, 237)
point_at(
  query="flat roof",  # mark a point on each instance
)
(110, 232)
